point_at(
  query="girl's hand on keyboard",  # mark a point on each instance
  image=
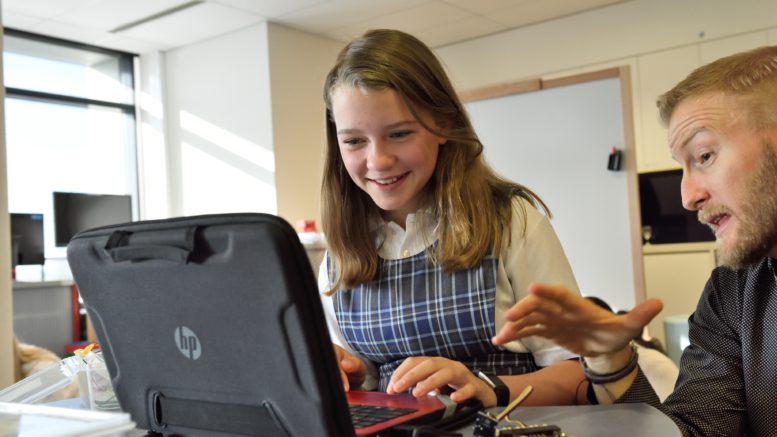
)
(352, 369)
(427, 374)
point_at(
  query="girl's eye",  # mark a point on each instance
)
(400, 134)
(352, 141)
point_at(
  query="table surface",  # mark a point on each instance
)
(633, 420)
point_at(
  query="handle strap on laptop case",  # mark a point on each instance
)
(171, 245)
(215, 416)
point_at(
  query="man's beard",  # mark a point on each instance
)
(757, 233)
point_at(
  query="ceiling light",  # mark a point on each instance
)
(156, 16)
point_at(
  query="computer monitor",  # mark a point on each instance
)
(75, 212)
(27, 238)
(664, 220)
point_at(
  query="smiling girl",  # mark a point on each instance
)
(428, 247)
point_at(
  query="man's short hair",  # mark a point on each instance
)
(751, 75)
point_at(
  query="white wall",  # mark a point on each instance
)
(154, 165)
(219, 125)
(299, 63)
(244, 115)
(253, 96)
(661, 40)
(601, 35)
(244, 120)
(568, 132)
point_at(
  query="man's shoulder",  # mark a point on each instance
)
(741, 289)
(758, 271)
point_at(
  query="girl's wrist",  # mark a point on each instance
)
(487, 395)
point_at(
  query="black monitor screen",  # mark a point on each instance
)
(27, 239)
(75, 212)
(664, 220)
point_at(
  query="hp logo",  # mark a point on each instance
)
(187, 342)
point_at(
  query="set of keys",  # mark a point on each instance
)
(488, 425)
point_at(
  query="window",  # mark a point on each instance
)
(69, 123)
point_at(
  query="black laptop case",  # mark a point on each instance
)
(207, 326)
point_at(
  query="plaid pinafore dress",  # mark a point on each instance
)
(416, 308)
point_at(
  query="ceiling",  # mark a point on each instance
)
(141, 26)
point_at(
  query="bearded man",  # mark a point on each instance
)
(722, 124)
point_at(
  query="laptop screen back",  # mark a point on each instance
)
(210, 325)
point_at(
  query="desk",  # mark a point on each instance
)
(633, 420)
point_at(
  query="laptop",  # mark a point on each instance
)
(213, 325)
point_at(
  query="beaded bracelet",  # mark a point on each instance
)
(614, 376)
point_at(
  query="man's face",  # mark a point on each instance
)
(729, 175)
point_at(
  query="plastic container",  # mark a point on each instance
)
(40, 385)
(40, 420)
(86, 367)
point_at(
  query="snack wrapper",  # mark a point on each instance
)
(94, 382)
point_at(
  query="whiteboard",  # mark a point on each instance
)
(556, 142)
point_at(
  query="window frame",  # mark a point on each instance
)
(127, 76)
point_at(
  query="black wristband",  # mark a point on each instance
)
(595, 378)
(501, 390)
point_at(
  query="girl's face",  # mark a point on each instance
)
(386, 151)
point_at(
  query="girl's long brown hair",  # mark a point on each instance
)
(473, 205)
